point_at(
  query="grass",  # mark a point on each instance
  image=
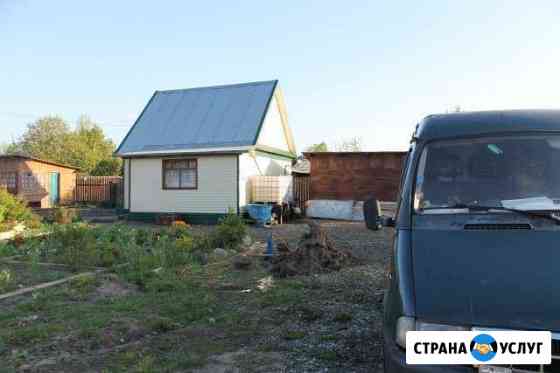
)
(162, 325)
(327, 355)
(174, 323)
(342, 317)
(175, 297)
(294, 334)
(87, 322)
(286, 292)
(170, 319)
(33, 334)
(310, 314)
(23, 275)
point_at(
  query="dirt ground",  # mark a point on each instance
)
(234, 321)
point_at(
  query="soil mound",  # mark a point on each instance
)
(315, 253)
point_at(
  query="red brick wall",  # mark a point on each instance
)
(355, 176)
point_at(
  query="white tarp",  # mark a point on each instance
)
(344, 210)
(338, 210)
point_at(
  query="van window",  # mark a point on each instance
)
(514, 171)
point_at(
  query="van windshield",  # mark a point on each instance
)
(516, 172)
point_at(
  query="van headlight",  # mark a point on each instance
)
(406, 324)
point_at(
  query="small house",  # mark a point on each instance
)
(192, 152)
(41, 183)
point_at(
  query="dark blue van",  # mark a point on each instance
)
(477, 234)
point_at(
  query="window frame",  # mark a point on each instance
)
(163, 169)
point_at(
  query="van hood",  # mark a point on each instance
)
(503, 279)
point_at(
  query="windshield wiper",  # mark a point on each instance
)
(529, 213)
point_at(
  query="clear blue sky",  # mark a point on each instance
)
(369, 69)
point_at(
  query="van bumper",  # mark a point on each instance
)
(395, 362)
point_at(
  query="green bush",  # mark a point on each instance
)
(74, 244)
(204, 243)
(13, 209)
(230, 231)
(174, 253)
(140, 264)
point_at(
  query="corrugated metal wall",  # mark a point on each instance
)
(355, 176)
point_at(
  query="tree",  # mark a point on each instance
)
(4, 148)
(353, 144)
(51, 138)
(320, 147)
(45, 139)
(10, 148)
(87, 145)
(108, 167)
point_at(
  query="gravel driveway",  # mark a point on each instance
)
(340, 322)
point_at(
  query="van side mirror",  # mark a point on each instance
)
(372, 213)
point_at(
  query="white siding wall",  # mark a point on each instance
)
(126, 183)
(260, 165)
(272, 131)
(217, 187)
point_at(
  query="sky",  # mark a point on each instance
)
(365, 69)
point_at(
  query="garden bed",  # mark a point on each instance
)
(201, 314)
(25, 275)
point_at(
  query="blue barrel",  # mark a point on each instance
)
(261, 213)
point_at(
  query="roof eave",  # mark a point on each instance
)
(275, 151)
(35, 159)
(158, 153)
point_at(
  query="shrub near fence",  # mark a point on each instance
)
(99, 189)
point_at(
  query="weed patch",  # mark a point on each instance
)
(162, 325)
(343, 317)
(294, 334)
(283, 293)
(327, 355)
(310, 314)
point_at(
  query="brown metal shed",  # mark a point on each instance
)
(355, 175)
(40, 182)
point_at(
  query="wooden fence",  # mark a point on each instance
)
(301, 185)
(99, 189)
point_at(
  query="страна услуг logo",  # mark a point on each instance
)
(484, 347)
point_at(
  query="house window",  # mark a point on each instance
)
(8, 180)
(180, 174)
